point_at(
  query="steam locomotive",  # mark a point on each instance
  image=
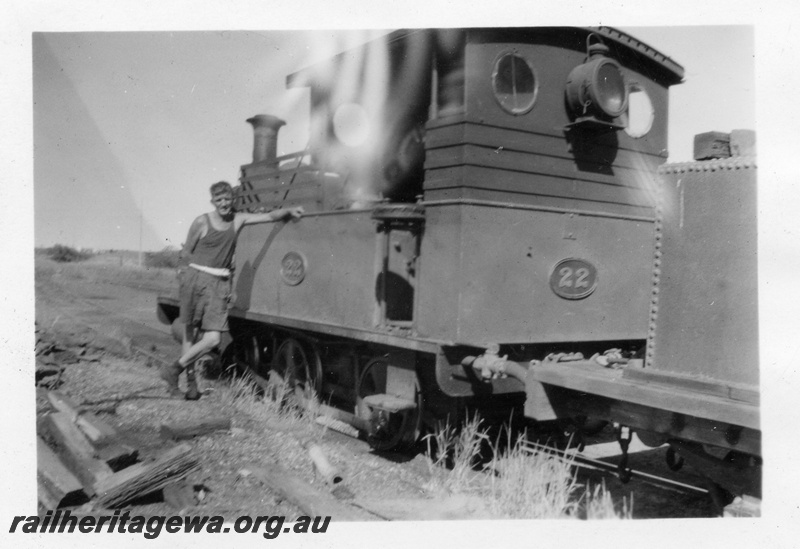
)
(490, 225)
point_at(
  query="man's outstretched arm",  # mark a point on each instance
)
(281, 214)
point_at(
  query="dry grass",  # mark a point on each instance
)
(241, 395)
(453, 456)
(598, 505)
(289, 426)
(518, 483)
(274, 406)
(535, 484)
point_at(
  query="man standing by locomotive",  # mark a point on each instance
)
(205, 280)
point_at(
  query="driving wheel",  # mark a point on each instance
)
(298, 369)
(389, 430)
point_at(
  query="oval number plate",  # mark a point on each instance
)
(293, 268)
(573, 278)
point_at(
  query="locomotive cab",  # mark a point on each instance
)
(541, 155)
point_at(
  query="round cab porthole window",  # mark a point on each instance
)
(514, 84)
(293, 268)
(640, 112)
(573, 278)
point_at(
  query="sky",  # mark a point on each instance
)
(130, 128)
(129, 131)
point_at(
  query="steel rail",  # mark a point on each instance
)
(594, 464)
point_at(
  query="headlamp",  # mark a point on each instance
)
(596, 89)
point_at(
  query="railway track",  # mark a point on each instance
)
(610, 469)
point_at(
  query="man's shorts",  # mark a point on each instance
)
(204, 300)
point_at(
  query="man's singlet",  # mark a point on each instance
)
(216, 248)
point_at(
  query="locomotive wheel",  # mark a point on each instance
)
(251, 355)
(299, 368)
(242, 355)
(228, 360)
(388, 431)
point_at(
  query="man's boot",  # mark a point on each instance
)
(192, 393)
(170, 374)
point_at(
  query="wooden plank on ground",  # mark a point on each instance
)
(62, 487)
(143, 478)
(109, 446)
(94, 428)
(311, 501)
(46, 499)
(75, 451)
(190, 429)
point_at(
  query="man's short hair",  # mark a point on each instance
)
(221, 187)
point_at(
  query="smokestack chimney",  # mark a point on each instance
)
(265, 137)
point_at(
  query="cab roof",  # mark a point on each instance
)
(622, 46)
